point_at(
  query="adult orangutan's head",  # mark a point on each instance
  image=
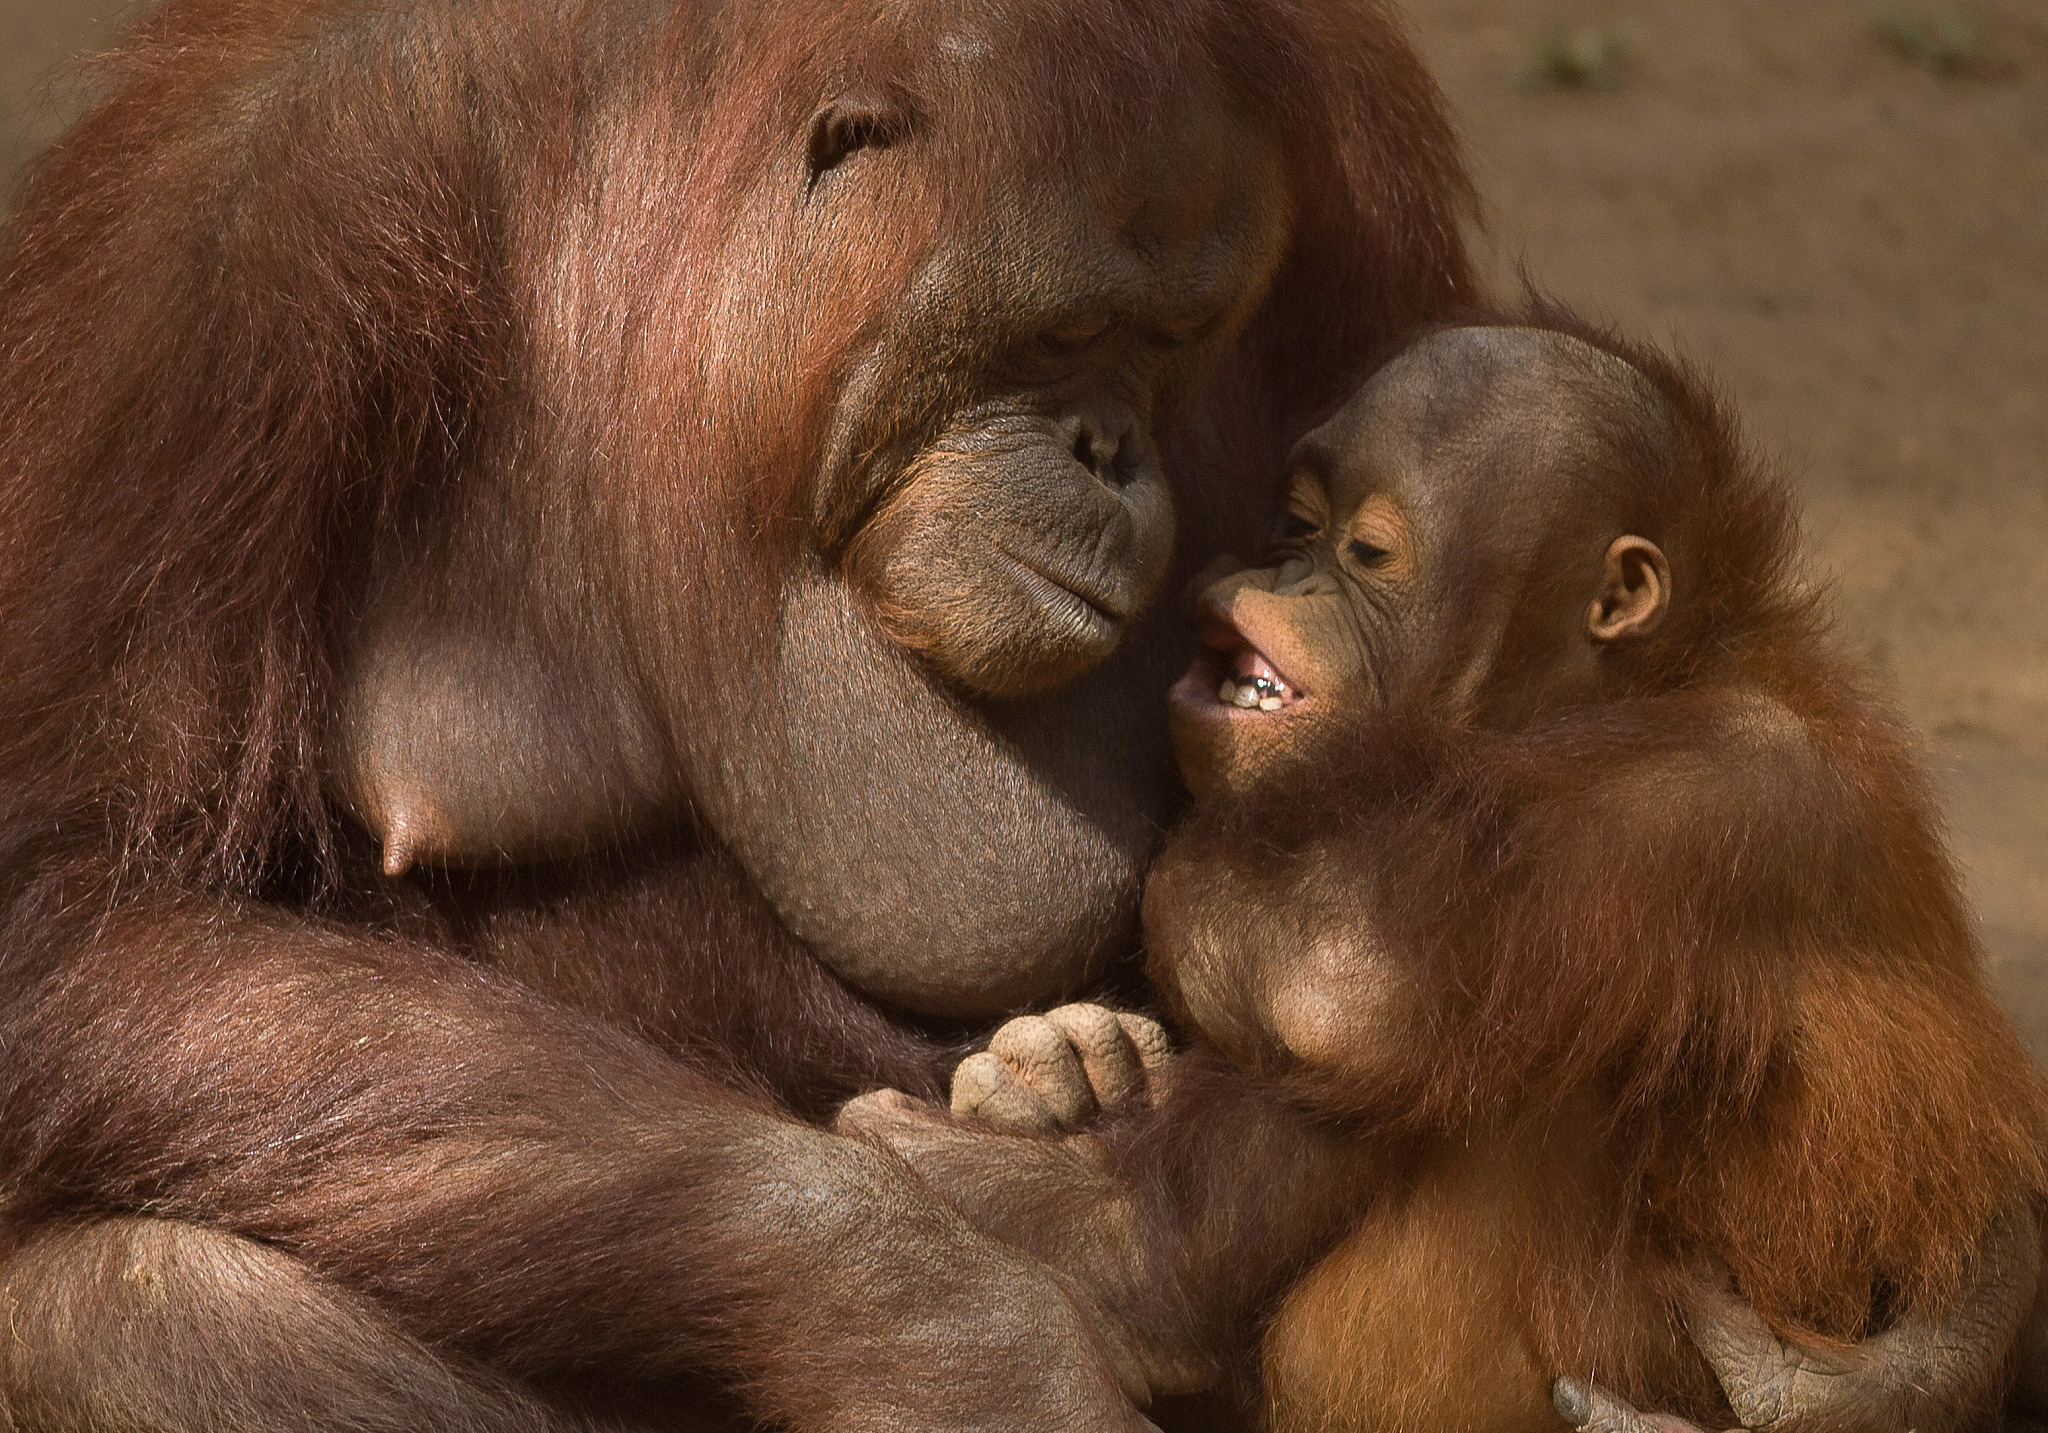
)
(842, 413)
(996, 484)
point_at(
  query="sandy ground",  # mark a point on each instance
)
(1858, 246)
(1860, 249)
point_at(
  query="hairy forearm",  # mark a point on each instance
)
(1063, 1201)
(1177, 1226)
(504, 1174)
(1256, 1187)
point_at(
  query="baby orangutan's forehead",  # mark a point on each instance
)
(1477, 412)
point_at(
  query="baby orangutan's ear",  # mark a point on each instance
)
(1635, 592)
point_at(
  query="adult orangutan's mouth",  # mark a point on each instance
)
(1055, 590)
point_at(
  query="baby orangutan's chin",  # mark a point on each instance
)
(1221, 758)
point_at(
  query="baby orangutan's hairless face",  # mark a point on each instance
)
(1451, 537)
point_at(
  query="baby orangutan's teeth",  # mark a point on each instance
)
(1254, 693)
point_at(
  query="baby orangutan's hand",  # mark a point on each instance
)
(1053, 1072)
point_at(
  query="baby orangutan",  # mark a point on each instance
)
(1562, 934)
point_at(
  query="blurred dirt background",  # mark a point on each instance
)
(1841, 205)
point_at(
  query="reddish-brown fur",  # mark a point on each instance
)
(297, 287)
(1693, 981)
(1696, 955)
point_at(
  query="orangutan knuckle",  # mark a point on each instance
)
(1148, 1037)
(987, 1088)
(1092, 1029)
(1028, 1041)
(976, 1079)
(1108, 1059)
(872, 1112)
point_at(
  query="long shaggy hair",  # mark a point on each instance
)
(1720, 904)
(308, 261)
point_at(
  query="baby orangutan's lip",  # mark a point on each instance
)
(1232, 676)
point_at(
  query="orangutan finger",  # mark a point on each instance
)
(1946, 1371)
(986, 1088)
(877, 1111)
(1108, 1056)
(1920, 1374)
(1590, 1408)
(1045, 1059)
(1149, 1038)
(1773, 1385)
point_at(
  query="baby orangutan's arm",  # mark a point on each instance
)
(1083, 1214)
(1177, 1219)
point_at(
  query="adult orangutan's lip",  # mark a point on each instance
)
(1050, 585)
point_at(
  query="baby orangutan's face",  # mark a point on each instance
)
(1448, 550)
(1438, 527)
(1319, 628)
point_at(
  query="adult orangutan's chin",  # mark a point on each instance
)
(1014, 553)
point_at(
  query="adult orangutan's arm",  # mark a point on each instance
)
(513, 1181)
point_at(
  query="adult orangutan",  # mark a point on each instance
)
(672, 477)
(1557, 922)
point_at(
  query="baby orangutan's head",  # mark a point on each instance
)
(1460, 538)
(1476, 544)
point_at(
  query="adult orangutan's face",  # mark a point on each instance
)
(993, 479)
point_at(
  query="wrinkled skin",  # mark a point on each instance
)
(990, 521)
(1385, 531)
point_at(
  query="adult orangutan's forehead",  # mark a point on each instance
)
(1181, 221)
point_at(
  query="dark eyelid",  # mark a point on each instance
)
(1178, 335)
(1365, 553)
(1066, 345)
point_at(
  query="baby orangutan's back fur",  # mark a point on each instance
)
(1694, 985)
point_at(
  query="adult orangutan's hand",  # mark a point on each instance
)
(1919, 1376)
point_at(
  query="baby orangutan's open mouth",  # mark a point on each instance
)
(1232, 672)
(1252, 682)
